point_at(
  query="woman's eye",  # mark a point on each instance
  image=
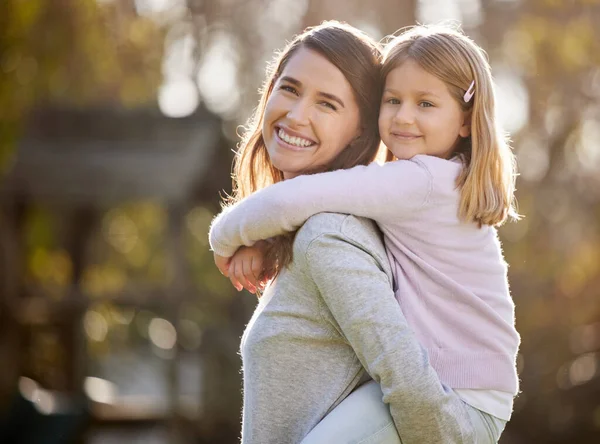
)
(288, 88)
(393, 101)
(426, 104)
(329, 105)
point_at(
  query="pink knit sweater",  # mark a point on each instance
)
(450, 276)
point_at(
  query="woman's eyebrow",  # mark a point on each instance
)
(329, 96)
(291, 80)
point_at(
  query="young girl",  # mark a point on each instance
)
(450, 181)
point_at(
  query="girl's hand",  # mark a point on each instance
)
(245, 268)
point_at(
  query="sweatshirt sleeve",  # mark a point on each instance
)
(360, 298)
(385, 193)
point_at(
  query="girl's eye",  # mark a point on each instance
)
(329, 105)
(426, 104)
(393, 101)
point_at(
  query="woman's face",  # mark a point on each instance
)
(311, 115)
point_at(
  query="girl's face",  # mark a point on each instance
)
(418, 115)
(311, 115)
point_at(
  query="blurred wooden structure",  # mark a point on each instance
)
(78, 163)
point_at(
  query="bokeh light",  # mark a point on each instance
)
(583, 369)
(512, 106)
(433, 11)
(178, 98)
(217, 75)
(162, 333)
(100, 390)
(95, 326)
(587, 149)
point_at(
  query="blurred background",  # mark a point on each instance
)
(118, 121)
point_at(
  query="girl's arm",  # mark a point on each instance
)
(384, 193)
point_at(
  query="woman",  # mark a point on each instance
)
(330, 321)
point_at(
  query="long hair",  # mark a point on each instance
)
(358, 57)
(487, 182)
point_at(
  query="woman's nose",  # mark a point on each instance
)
(299, 113)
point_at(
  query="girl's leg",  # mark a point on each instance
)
(361, 418)
(487, 427)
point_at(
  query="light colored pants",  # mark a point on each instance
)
(363, 418)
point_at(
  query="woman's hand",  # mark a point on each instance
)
(222, 264)
(246, 267)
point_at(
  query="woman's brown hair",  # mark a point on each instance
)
(358, 57)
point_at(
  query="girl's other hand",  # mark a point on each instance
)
(245, 268)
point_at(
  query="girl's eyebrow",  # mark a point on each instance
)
(416, 93)
(427, 93)
(329, 96)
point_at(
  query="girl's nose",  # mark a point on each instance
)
(404, 115)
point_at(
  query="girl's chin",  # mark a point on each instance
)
(403, 154)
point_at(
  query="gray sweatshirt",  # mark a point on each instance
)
(328, 318)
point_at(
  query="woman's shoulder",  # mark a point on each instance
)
(359, 231)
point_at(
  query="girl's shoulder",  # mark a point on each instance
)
(443, 172)
(426, 166)
(437, 165)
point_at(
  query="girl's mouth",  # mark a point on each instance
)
(407, 137)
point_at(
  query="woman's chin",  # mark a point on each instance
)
(283, 163)
(289, 171)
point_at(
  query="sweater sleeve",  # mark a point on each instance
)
(360, 298)
(385, 193)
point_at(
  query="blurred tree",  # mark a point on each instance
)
(554, 49)
(73, 52)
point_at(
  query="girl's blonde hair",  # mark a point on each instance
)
(487, 182)
(358, 57)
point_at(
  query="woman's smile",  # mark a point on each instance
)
(292, 140)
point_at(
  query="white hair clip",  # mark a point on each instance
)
(469, 94)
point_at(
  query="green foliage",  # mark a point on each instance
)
(72, 52)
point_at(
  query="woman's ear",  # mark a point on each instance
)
(465, 129)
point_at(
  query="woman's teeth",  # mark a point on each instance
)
(296, 141)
